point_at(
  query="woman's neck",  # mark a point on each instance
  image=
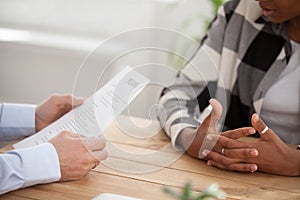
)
(293, 29)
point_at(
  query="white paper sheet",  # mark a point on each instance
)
(97, 112)
(108, 196)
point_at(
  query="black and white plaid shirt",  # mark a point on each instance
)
(237, 62)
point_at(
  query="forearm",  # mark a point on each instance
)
(178, 109)
(185, 139)
(26, 167)
(16, 121)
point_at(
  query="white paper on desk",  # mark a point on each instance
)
(97, 112)
(108, 196)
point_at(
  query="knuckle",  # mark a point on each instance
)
(91, 158)
(261, 125)
(220, 159)
(86, 169)
(244, 133)
(68, 97)
(229, 153)
(85, 166)
(226, 162)
(245, 153)
(226, 143)
(65, 133)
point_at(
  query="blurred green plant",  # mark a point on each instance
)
(177, 62)
(212, 192)
(215, 4)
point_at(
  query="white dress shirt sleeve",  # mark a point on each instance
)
(16, 121)
(29, 166)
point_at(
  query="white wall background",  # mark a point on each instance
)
(44, 42)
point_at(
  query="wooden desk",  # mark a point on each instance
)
(154, 174)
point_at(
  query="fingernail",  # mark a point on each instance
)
(205, 152)
(253, 152)
(209, 163)
(209, 137)
(252, 131)
(256, 117)
(253, 168)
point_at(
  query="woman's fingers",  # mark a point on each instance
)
(242, 167)
(240, 153)
(219, 158)
(239, 133)
(223, 162)
(229, 143)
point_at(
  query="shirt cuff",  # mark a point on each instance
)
(40, 164)
(175, 131)
(17, 120)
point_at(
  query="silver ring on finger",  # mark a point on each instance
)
(222, 151)
(265, 130)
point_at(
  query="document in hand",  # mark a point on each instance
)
(97, 112)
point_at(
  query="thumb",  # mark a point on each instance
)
(217, 110)
(214, 116)
(264, 131)
(209, 125)
(77, 101)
